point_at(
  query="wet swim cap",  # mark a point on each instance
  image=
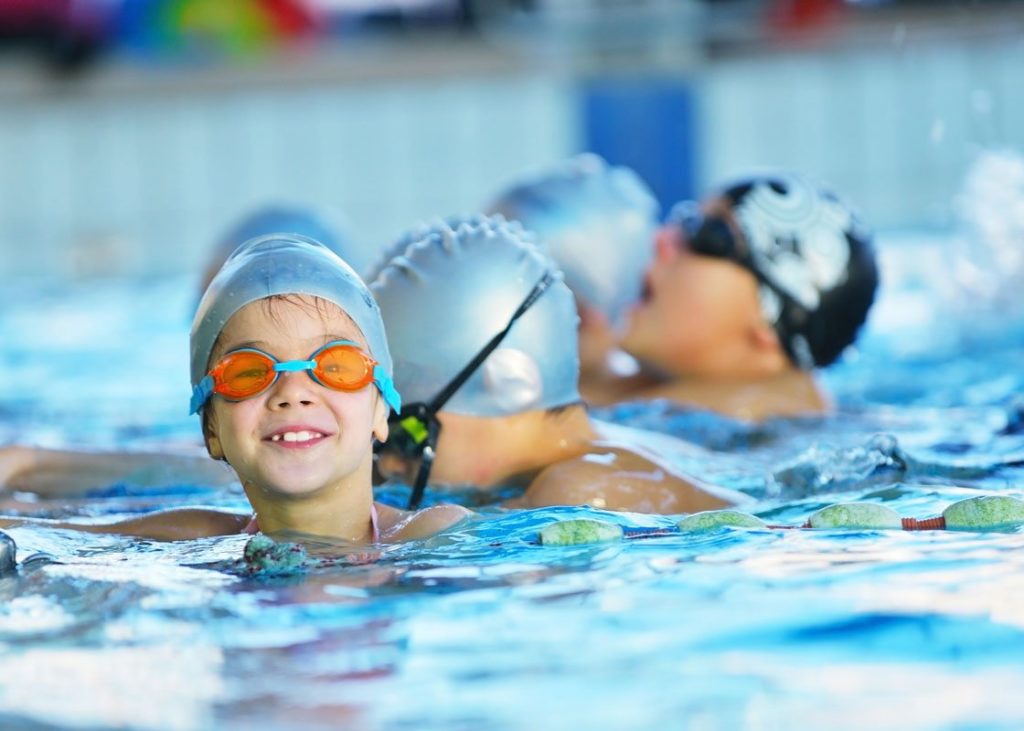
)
(278, 219)
(452, 291)
(309, 222)
(597, 222)
(815, 260)
(284, 264)
(437, 225)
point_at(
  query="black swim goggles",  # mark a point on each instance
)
(713, 236)
(413, 431)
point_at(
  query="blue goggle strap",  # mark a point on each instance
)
(387, 389)
(200, 392)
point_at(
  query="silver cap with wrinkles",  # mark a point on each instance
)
(597, 222)
(450, 292)
(283, 264)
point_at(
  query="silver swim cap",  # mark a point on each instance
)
(317, 224)
(597, 222)
(452, 291)
(437, 225)
(281, 264)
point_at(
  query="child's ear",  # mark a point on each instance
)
(380, 420)
(764, 337)
(213, 445)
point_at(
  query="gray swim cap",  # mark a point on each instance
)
(597, 222)
(450, 292)
(314, 223)
(281, 264)
(437, 225)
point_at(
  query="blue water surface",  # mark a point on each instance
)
(482, 628)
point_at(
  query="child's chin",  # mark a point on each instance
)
(293, 485)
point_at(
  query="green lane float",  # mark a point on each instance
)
(715, 519)
(857, 516)
(984, 513)
(987, 512)
(579, 531)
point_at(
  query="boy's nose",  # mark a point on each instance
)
(294, 388)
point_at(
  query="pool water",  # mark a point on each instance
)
(481, 628)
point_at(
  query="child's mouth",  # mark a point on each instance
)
(296, 439)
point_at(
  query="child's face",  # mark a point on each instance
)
(696, 311)
(326, 436)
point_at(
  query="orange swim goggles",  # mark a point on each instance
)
(340, 365)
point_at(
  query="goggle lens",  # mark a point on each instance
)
(243, 374)
(343, 368)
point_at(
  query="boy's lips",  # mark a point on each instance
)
(296, 436)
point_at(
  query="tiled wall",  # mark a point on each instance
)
(120, 183)
(144, 182)
(892, 129)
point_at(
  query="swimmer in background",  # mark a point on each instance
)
(483, 332)
(719, 324)
(598, 223)
(750, 291)
(291, 376)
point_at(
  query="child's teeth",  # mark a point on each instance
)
(295, 436)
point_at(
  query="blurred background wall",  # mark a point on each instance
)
(130, 137)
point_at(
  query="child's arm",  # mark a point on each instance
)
(167, 525)
(52, 472)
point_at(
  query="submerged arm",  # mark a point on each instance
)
(52, 472)
(167, 525)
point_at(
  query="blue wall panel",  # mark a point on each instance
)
(648, 125)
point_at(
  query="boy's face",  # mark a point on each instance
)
(695, 313)
(297, 436)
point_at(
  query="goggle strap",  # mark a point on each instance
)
(387, 389)
(420, 485)
(291, 366)
(200, 393)
(462, 376)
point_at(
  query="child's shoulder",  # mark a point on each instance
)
(401, 525)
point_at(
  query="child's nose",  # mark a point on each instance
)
(293, 388)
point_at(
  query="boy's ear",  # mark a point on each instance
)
(380, 420)
(764, 338)
(213, 445)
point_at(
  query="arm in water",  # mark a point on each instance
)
(51, 472)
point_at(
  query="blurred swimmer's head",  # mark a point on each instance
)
(596, 221)
(769, 250)
(450, 292)
(317, 224)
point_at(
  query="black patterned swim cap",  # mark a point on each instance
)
(814, 261)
